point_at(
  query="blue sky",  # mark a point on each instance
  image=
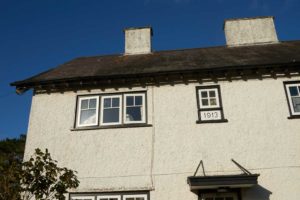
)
(36, 35)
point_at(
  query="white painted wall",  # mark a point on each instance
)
(258, 135)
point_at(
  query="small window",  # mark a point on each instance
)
(111, 110)
(134, 108)
(88, 111)
(113, 197)
(209, 104)
(293, 97)
(135, 197)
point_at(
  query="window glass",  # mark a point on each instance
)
(296, 103)
(208, 98)
(111, 110)
(115, 102)
(135, 108)
(212, 93)
(111, 115)
(92, 103)
(85, 104)
(293, 91)
(138, 100)
(88, 114)
(129, 100)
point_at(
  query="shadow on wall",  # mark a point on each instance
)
(256, 192)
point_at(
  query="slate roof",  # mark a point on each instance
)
(164, 62)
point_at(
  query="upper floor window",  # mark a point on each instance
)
(209, 104)
(113, 109)
(293, 96)
(134, 108)
(88, 111)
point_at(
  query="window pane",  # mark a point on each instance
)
(293, 91)
(219, 198)
(115, 102)
(84, 104)
(139, 198)
(92, 103)
(113, 199)
(212, 93)
(111, 115)
(138, 100)
(130, 198)
(107, 103)
(134, 113)
(88, 116)
(204, 94)
(129, 101)
(213, 102)
(205, 102)
(296, 104)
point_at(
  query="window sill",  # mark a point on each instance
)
(294, 117)
(111, 127)
(212, 121)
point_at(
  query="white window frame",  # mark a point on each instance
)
(108, 197)
(102, 109)
(287, 85)
(135, 196)
(143, 108)
(80, 98)
(208, 90)
(83, 197)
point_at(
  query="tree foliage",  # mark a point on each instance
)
(11, 156)
(43, 179)
(38, 178)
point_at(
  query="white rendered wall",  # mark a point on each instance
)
(250, 31)
(138, 41)
(258, 135)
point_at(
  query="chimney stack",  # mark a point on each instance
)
(250, 31)
(138, 40)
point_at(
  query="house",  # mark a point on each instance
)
(217, 123)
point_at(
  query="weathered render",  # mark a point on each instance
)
(159, 158)
(250, 31)
(138, 40)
